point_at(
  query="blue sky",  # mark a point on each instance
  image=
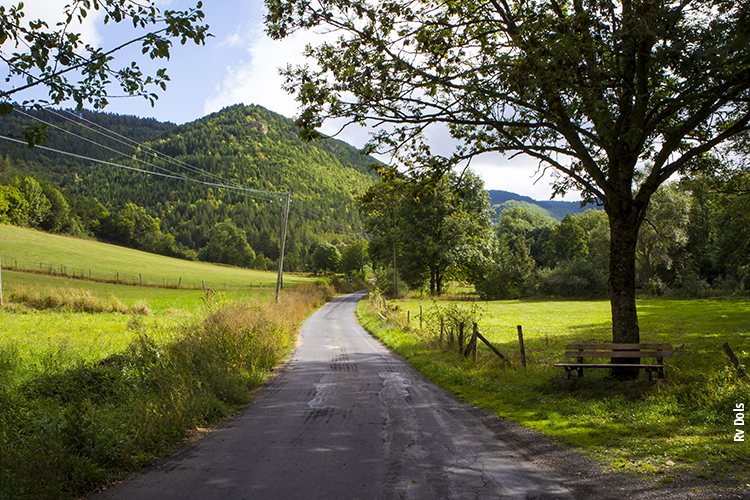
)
(239, 64)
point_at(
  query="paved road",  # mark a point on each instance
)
(345, 420)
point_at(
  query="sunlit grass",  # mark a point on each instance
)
(684, 420)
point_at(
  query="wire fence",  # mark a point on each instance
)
(114, 276)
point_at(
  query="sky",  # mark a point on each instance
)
(240, 64)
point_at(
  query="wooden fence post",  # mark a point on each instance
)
(460, 336)
(520, 342)
(735, 361)
(474, 341)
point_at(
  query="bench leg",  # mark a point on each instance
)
(580, 372)
(648, 375)
(567, 373)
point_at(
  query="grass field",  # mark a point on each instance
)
(27, 249)
(87, 396)
(677, 429)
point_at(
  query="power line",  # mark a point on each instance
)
(135, 169)
(300, 208)
(223, 182)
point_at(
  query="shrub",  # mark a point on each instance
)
(574, 279)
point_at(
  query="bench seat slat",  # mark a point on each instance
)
(607, 365)
(619, 354)
(649, 347)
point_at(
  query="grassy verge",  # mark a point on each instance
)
(76, 414)
(677, 429)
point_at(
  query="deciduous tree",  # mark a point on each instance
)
(58, 60)
(616, 96)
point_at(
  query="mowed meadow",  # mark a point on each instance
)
(99, 377)
(676, 431)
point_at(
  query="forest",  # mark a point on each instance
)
(227, 174)
(695, 240)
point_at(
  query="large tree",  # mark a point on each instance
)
(615, 95)
(441, 226)
(56, 60)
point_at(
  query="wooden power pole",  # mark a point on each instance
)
(285, 218)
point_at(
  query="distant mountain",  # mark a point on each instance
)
(241, 145)
(501, 200)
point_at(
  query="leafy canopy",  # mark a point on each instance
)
(592, 88)
(615, 95)
(57, 59)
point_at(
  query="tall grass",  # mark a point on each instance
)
(72, 299)
(676, 429)
(65, 432)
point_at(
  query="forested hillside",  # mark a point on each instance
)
(246, 146)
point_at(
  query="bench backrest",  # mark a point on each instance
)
(619, 350)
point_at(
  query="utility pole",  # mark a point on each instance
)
(285, 218)
(362, 250)
(395, 273)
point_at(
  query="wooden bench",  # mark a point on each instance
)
(581, 351)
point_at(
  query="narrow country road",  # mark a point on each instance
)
(345, 420)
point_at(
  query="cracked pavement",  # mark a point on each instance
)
(346, 419)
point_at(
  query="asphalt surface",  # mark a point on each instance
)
(346, 419)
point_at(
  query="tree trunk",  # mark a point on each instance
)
(622, 256)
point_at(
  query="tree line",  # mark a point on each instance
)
(694, 241)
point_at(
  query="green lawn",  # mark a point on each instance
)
(685, 420)
(27, 249)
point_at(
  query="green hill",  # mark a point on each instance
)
(241, 145)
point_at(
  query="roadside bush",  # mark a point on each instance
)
(383, 282)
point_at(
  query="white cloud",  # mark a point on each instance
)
(257, 80)
(53, 11)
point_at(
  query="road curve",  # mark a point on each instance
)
(345, 420)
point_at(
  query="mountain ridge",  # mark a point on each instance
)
(556, 209)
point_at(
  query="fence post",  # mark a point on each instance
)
(441, 330)
(140, 278)
(735, 361)
(179, 282)
(474, 340)
(520, 342)
(460, 336)
(420, 317)
(408, 317)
